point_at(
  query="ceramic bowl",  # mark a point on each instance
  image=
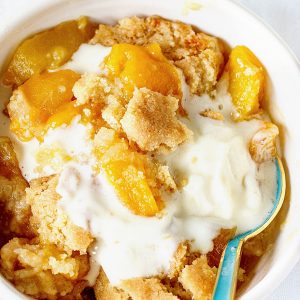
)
(235, 25)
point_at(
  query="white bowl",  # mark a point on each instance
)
(235, 25)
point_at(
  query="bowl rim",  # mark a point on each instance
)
(262, 289)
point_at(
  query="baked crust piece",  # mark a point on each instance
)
(188, 269)
(50, 221)
(49, 266)
(150, 121)
(90, 87)
(191, 276)
(146, 288)
(14, 210)
(104, 290)
(262, 146)
(42, 271)
(199, 278)
(215, 115)
(182, 257)
(113, 112)
(199, 55)
(19, 111)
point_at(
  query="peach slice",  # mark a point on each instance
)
(48, 49)
(138, 66)
(126, 171)
(42, 101)
(246, 81)
(9, 166)
(128, 178)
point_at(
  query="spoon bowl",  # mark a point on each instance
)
(228, 269)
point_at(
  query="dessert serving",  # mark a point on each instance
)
(129, 156)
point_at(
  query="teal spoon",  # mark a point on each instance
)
(227, 275)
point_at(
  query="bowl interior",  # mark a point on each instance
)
(235, 26)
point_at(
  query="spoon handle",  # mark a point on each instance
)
(228, 270)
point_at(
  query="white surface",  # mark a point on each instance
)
(284, 14)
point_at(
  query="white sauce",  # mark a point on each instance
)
(87, 58)
(72, 141)
(224, 186)
(127, 245)
(222, 179)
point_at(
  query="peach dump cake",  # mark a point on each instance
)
(130, 154)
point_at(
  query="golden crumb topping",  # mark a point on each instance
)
(215, 115)
(113, 112)
(43, 271)
(14, 210)
(263, 144)
(90, 87)
(104, 290)
(183, 256)
(197, 54)
(199, 278)
(150, 121)
(146, 288)
(50, 221)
